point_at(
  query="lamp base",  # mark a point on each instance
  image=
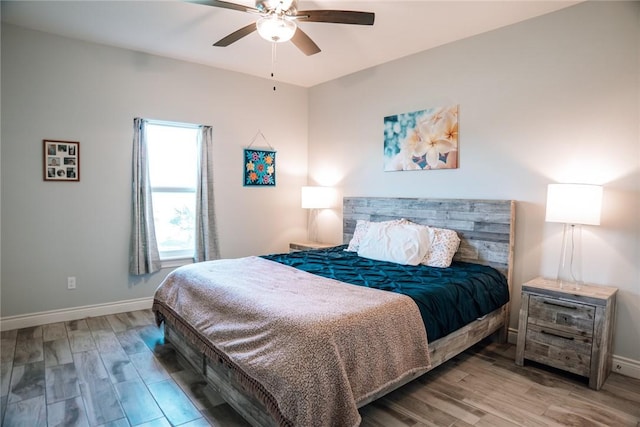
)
(312, 225)
(569, 286)
(570, 268)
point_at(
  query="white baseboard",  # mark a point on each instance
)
(622, 365)
(512, 336)
(625, 366)
(67, 314)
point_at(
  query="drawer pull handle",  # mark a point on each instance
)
(556, 335)
(571, 307)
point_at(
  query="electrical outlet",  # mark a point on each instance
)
(71, 282)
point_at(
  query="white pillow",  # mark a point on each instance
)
(362, 226)
(444, 245)
(396, 242)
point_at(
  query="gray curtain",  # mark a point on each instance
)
(144, 256)
(207, 245)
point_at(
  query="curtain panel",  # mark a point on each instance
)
(144, 255)
(207, 245)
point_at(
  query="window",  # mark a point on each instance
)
(179, 203)
(172, 150)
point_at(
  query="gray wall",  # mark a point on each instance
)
(58, 88)
(552, 99)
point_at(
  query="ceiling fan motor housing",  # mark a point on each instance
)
(288, 7)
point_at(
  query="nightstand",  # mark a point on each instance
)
(568, 329)
(306, 246)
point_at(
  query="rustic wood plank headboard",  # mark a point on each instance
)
(485, 227)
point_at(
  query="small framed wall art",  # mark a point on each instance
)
(259, 168)
(259, 164)
(61, 160)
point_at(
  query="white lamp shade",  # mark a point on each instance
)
(574, 203)
(317, 197)
(276, 29)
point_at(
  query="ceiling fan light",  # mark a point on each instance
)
(276, 29)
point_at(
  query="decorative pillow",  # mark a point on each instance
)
(394, 242)
(362, 226)
(444, 245)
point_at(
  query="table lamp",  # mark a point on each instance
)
(573, 205)
(315, 198)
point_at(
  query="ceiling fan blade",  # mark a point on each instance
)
(304, 43)
(236, 35)
(225, 5)
(337, 16)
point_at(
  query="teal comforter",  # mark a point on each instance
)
(448, 298)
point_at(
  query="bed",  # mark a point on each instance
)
(485, 228)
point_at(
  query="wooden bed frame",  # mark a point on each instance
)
(486, 230)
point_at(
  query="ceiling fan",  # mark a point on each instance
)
(277, 22)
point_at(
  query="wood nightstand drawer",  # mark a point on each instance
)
(559, 349)
(569, 329)
(566, 316)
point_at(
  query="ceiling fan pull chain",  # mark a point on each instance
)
(273, 64)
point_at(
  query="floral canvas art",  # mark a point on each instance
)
(259, 167)
(426, 139)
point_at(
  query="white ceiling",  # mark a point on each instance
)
(187, 31)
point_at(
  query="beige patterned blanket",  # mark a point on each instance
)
(314, 348)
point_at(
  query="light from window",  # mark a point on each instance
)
(173, 156)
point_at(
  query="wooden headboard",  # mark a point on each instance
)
(485, 227)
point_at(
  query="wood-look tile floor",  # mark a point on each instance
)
(117, 371)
